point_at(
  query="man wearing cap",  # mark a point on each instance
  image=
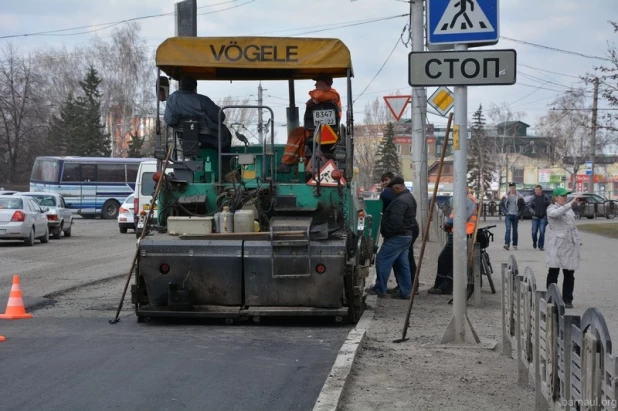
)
(512, 206)
(295, 146)
(397, 228)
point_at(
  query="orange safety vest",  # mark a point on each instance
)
(319, 96)
(471, 223)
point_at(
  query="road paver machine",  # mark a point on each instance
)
(234, 237)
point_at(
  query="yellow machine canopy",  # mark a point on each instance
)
(253, 58)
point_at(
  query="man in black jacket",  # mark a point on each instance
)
(398, 221)
(538, 206)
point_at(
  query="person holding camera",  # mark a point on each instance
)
(563, 243)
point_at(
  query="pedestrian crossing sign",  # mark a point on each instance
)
(462, 22)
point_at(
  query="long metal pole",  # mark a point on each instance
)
(460, 244)
(593, 137)
(419, 113)
(406, 324)
(260, 117)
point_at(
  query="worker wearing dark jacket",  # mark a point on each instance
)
(397, 228)
(187, 103)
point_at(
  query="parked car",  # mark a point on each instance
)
(59, 214)
(593, 206)
(22, 218)
(7, 192)
(126, 219)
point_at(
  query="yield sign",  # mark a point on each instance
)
(397, 105)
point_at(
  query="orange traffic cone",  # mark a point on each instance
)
(15, 309)
(2, 338)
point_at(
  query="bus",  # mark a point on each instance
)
(93, 186)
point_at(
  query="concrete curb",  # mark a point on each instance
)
(329, 397)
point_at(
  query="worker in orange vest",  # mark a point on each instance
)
(444, 277)
(295, 146)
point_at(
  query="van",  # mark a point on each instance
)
(144, 189)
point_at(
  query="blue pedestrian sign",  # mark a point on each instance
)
(588, 168)
(462, 22)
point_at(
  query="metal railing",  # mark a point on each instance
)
(567, 358)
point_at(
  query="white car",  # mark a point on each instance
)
(22, 218)
(59, 215)
(126, 220)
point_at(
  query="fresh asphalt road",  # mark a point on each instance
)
(68, 357)
(595, 281)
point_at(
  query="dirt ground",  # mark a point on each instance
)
(420, 375)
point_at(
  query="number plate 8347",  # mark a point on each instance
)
(324, 117)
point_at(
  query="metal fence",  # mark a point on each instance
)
(567, 359)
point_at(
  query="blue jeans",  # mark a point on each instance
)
(511, 221)
(394, 255)
(538, 226)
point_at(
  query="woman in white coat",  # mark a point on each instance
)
(563, 243)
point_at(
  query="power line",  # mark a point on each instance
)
(115, 23)
(529, 94)
(352, 24)
(383, 64)
(547, 71)
(540, 80)
(343, 23)
(583, 109)
(544, 98)
(574, 53)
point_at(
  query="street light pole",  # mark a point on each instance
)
(419, 114)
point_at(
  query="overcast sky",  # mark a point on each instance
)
(572, 25)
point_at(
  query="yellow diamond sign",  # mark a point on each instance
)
(442, 100)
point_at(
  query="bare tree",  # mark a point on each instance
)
(23, 116)
(608, 86)
(367, 138)
(61, 71)
(128, 77)
(503, 142)
(567, 126)
(243, 120)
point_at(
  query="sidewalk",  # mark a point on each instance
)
(418, 374)
(596, 282)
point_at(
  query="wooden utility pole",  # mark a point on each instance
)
(593, 137)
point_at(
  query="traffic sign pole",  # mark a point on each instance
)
(419, 114)
(460, 329)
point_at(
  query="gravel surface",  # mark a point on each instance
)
(419, 374)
